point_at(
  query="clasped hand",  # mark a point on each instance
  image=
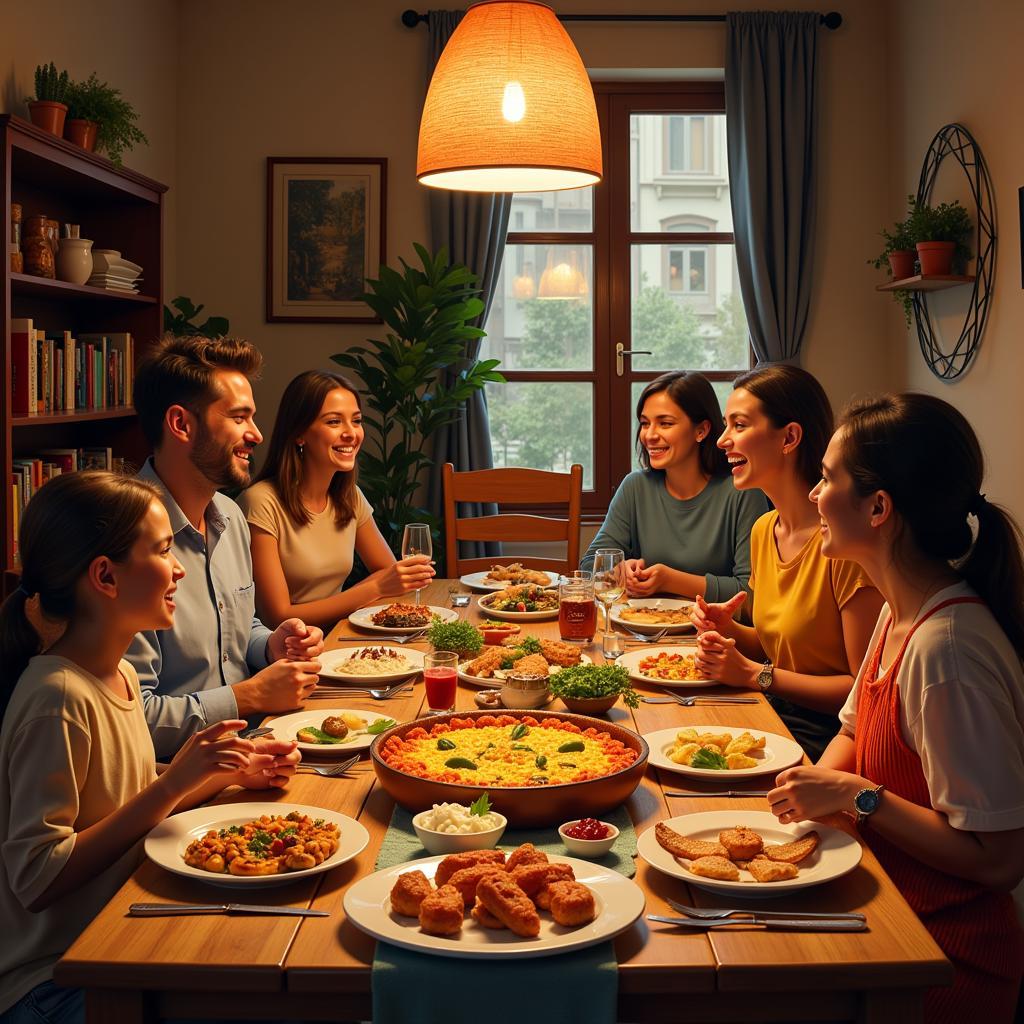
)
(642, 580)
(807, 792)
(296, 641)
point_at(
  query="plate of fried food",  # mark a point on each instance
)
(486, 904)
(330, 729)
(498, 577)
(653, 614)
(725, 751)
(524, 654)
(254, 845)
(674, 667)
(400, 618)
(379, 664)
(748, 853)
(524, 603)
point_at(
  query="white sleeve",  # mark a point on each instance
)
(848, 712)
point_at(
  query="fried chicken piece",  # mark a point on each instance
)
(525, 854)
(793, 853)
(468, 879)
(716, 867)
(487, 663)
(531, 878)
(532, 665)
(485, 918)
(509, 904)
(741, 843)
(408, 893)
(557, 652)
(765, 870)
(441, 912)
(683, 846)
(572, 904)
(457, 861)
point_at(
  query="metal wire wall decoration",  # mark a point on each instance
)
(956, 141)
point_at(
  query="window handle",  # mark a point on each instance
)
(621, 350)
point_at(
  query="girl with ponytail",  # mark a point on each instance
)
(81, 786)
(931, 752)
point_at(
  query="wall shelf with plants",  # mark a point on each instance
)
(926, 283)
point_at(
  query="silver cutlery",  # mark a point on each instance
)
(689, 702)
(177, 909)
(372, 641)
(252, 734)
(380, 693)
(330, 771)
(720, 913)
(804, 924)
(728, 792)
(646, 638)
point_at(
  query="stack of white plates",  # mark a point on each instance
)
(109, 270)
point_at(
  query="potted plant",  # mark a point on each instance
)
(101, 118)
(594, 689)
(407, 392)
(47, 109)
(898, 252)
(941, 233)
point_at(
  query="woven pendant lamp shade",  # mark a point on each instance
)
(510, 107)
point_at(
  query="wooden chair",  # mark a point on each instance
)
(512, 487)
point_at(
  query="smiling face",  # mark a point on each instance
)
(227, 433)
(846, 516)
(149, 575)
(754, 446)
(667, 434)
(333, 440)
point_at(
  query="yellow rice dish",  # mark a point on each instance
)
(499, 750)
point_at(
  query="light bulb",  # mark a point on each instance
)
(513, 103)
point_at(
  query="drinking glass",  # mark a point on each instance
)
(577, 613)
(608, 586)
(416, 541)
(440, 677)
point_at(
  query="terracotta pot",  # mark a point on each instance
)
(936, 257)
(901, 263)
(81, 133)
(522, 805)
(48, 115)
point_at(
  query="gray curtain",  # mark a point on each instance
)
(473, 227)
(769, 100)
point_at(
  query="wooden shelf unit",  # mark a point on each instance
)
(926, 283)
(118, 209)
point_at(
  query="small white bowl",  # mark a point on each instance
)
(457, 842)
(588, 847)
(525, 692)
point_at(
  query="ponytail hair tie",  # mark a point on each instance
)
(977, 503)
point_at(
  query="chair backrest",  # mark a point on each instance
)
(512, 487)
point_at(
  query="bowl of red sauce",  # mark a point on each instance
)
(588, 837)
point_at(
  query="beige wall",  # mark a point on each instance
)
(133, 47)
(961, 62)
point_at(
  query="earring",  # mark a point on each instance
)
(301, 445)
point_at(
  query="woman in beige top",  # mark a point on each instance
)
(307, 517)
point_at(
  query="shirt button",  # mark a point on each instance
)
(220, 605)
(224, 657)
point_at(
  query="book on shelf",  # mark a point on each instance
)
(24, 382)
(30, 472)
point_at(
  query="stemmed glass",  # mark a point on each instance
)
(608, 585)
(416, 541)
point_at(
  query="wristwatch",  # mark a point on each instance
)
(766, 676)
(866, 803)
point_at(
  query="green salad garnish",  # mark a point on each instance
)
(709, 759)
(595, 681)
(381, 725)
(480, 806)
(460, 636)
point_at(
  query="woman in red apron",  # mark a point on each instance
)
(931, 752)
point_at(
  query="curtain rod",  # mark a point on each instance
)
(832, 20)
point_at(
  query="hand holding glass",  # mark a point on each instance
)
(416, 541)
(608, 585)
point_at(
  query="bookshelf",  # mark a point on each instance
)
(118, 209)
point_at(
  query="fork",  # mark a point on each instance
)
(382, 693)
(331, 771)
(722, 913)
(646, 638)
(699, 699)
(408, 638)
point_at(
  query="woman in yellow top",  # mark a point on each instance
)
(813, 617)
(308, 518)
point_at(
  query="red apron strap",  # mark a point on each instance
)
(924, 618)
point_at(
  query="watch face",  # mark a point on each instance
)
(866, 801)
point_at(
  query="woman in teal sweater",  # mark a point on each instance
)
(683, 526)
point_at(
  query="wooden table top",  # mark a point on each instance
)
(331, 956)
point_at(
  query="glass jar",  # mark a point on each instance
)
(577, 612)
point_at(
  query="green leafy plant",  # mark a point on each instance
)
(51, 85)
(585, 681)
(710, 760)
(481, 806)
(899, 239)
(180, 324)
(460, 636)
(93, 100)
(947, 222)
(409, 391)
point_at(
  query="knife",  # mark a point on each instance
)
(176, 909)
(728, 792)
(804, 924)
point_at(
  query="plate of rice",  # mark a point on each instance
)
(378, 663)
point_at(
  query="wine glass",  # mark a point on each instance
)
(608, 585)
(416, 541)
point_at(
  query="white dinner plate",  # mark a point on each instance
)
(837, 854)
(631, 663)
(620, 901)
(779, 752)
(167, 843)
(364, 618)
(495, 613)
(496, 680)
(479, 580)
(332, 665)
(287, 726)
(652, 627)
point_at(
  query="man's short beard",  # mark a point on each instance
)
(216, 463)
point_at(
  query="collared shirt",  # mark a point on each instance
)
(186, 671)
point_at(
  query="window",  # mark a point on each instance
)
(689, 148)
(643, 262)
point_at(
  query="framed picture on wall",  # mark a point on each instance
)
(325, 236)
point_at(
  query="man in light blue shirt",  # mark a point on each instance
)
(218, 661)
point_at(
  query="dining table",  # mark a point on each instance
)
(240, 967)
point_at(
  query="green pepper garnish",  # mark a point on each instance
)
(519, 731)
(443, 744)
(459, 762)
(572, 746)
